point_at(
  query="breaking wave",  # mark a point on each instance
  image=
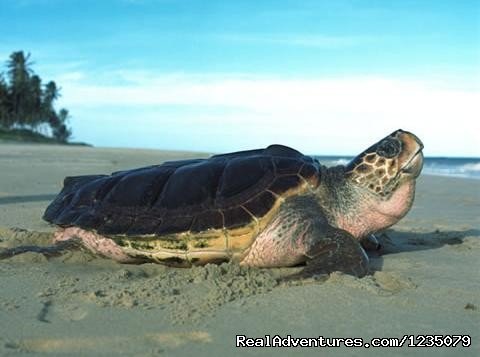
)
(453, 167)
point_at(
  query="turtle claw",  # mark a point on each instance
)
(371, 243)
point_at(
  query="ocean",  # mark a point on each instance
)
(439, 166)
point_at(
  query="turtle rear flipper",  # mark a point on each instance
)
(49, 251)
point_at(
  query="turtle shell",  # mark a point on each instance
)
(210, 205)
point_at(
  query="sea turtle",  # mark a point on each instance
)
(272, 207)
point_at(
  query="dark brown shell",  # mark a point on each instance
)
(222, 192)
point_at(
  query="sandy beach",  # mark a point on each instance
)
(426, 279)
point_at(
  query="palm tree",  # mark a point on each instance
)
(4, 104)
(58, 122)
(19, 67)
(19, 75)
(50, 93)
(34, 98)
(24, 102)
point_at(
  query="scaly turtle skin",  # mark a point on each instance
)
(271, 207)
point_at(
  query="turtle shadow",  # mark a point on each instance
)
(394, 241)
(26, 198)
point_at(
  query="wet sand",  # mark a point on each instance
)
(425, 281)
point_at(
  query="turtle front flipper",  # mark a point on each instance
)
(332, 250)
(301, 234)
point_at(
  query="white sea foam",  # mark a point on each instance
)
(341, 161)
(453, 168)
(472, 167)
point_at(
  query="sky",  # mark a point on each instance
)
(325, 77)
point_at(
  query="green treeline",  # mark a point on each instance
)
(27, 103)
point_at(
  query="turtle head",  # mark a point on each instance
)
(379, 185)
(389, 163)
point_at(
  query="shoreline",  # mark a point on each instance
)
(205, 154)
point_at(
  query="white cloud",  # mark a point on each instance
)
(312, 114)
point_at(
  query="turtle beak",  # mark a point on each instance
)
(414, 166)
(411, 157)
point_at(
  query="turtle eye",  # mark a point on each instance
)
(389, 148)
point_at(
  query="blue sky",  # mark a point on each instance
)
(327, 77)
